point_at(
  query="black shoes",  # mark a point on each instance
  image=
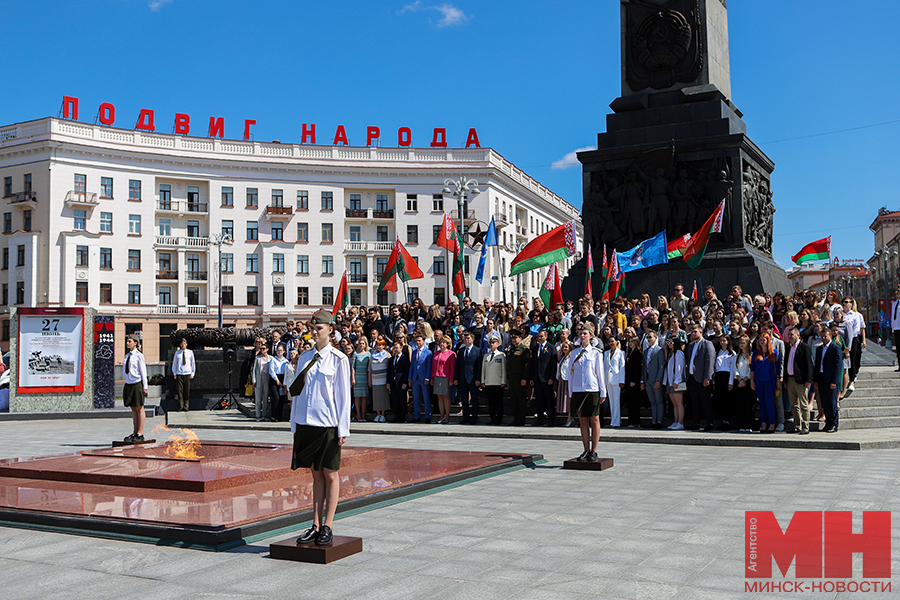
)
(325, 536)
(831, 429)
(308, 535)
(592, 457)
(131, 439)
(583, 456)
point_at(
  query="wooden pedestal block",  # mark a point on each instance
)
(118, 443)
(584, 465)
(340, 547)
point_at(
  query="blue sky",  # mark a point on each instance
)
(534, 78)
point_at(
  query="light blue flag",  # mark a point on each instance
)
(490, 239)
(646, 254)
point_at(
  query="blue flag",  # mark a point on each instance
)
(646, 254)
(490, 239)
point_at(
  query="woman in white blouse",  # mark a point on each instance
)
(744, 396)
(723, 382)
(674, 379)
(615, 380)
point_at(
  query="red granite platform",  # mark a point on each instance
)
(235, 489)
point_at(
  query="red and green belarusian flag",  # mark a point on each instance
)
(557, 244)
(676, 247)
(342, 300)
(817, 250)
(551, 291)
(613, 278)
(449, 238)
(604, 276)
(588, 287)
(400, 265)
(696, 246)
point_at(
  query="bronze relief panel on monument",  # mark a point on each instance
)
(663, 43)
(758, 208)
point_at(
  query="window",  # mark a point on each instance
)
(227, 196)
(165, 227)
(228, 228)
(355, 201)
(412, 203)
(411, 294)
(7, 187)
(435, 233)
(81, 256)
(327, 296)
(134, 190)
(105, 293)
(80, 184)
(381, 202)
(20, 255)
(252, 295)
(252, 263)
(327, 201)
(134, 293)
(252, 197)
(302, 200)
(80, 221)
(278, 263)
(193, 297)
(355, 233)
(278, 295)
(303, 264)
(277, 231)
(227, 262)
(193, 228)
(327, 233)
(438, 266)
(27, 181)
(355, 297)
(437, 202)
(381, 297)
(134, 260)
(439, 297)
(26, 222)
(252, 231)
(277, 197)
(106, 222)
(380, 265)
(327, 265)
(302, 232)
(7, 222)
(227, 295)
(193, 197)
(412, 234)
(356, 271)
(381, 233)
(303, 296)
(165, 295)
(20, 292)
(165, 196)
(106, 258)
(466, 265)
(81, 292)
(106, 187)
(134, 224)
(4, 295)
(5, 258)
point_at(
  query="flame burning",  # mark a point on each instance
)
(183, 443)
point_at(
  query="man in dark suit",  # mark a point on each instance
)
(398, 379)
(419, 379)
(468, 378)
(798, 374)
(543, 374)
(652, 375)
(827, 376)
(701, 365)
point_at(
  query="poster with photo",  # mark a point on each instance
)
(50, 346)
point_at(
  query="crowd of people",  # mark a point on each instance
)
(708, 363)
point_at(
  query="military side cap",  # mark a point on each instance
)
(322, 317)
(587, 326)
(514, 333)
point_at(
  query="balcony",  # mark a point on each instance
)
(500, 220)
(357, 277)
(181, 207)
(195, 275)
(24, 199)
(176, 241)
(383, 214)
(357, 213)
(197, 310)
(164, 274)
(167, 309)
(82, 199)
(468, 214)
(368, 246)
(279, 212)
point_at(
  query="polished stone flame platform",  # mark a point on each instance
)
(233, 493)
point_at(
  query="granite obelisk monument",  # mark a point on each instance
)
(674, 148)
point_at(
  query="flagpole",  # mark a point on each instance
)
(447, 267)
(500, 273)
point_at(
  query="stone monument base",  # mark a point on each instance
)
(341, 546)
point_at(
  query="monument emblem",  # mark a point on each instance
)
(665, 44)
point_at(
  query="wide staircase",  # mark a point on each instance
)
(876, 401)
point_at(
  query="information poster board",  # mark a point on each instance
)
(50, 346)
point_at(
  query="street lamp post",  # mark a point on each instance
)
(460, 189)
(219, 239)
(884, 252)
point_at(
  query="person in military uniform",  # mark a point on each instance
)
(518, 369)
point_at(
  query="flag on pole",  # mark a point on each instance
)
(489, 240)
(557, 244)
(646, 254)
(342, 300)
(604, 276)
(694, 293)
(551, 291)
(613, 276)
(449, 238)
(400, 265)
(696, 246)
(817, 250)
(588, 287)
(675, 248)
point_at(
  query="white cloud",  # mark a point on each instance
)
(570, 160)
(452, 15)
(155, 5)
